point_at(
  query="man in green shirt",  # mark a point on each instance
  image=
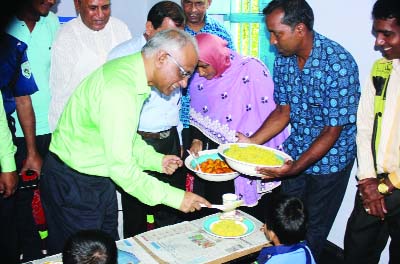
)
(8, 174)
(96, 141)
(8, 184)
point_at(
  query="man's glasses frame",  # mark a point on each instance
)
(182, 71)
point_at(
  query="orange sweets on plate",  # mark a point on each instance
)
(215, 166)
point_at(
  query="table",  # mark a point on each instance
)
(188, 243)
(185, 242)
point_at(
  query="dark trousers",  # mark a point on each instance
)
(9, 252)
(322, 196)
(366, 236)
(74, 201)
(134, 211)
(30, 245)
(30, 242)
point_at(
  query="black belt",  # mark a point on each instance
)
(157, 135)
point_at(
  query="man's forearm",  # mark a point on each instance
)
(321, 145)
(273, 125)
(26, 117)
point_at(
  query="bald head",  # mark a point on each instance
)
(95, 14)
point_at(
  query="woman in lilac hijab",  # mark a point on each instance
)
(229, 93)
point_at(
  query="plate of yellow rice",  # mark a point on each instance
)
(245, 157)
(228, 228)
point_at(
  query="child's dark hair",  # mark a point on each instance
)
(286, 217)
(90, 247)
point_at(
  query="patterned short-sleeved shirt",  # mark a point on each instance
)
(214, 27)
(325, 93)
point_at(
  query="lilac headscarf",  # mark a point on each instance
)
(239, 100)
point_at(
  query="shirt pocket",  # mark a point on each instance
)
(316, 107)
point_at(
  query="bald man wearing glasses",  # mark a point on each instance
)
(159, 124)
(96, 143)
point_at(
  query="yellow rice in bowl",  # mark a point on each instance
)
(254, 155)
(228, 228)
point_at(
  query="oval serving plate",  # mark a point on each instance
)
(203, 156)
(249, 168)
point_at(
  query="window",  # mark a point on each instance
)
(245, 21)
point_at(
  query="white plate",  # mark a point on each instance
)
(245, 167)
(246, 223)
(203, 156)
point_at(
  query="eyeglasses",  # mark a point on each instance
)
(182, 71)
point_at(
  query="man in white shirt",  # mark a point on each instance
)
(162, 134)
(81, 46)
(376, 214)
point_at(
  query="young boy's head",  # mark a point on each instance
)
(91, 247)
(285, 220)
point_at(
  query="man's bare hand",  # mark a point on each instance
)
(373, 201)
(170, 163)
(271, 173)
(8, 183)
(242, 138)
(33, 162)
(191, 202)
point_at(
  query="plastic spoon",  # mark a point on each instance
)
(226, 208)
(195, 160)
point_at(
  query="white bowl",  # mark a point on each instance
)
(203, 156)
(245, 167)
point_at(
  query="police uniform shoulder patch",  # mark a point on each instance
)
(26, 69)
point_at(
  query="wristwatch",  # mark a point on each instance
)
(383, 188)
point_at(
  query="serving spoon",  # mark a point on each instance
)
(225, 208)
(195, 160)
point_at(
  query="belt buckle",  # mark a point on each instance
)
(164, 134)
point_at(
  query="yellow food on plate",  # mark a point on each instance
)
(254, 154)
(228, 228)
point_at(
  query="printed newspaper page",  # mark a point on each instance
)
(189, 243)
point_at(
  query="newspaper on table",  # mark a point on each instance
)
(129, 251)
(189, 243)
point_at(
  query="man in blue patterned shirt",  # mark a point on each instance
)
(197, 21)
(317, 92)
